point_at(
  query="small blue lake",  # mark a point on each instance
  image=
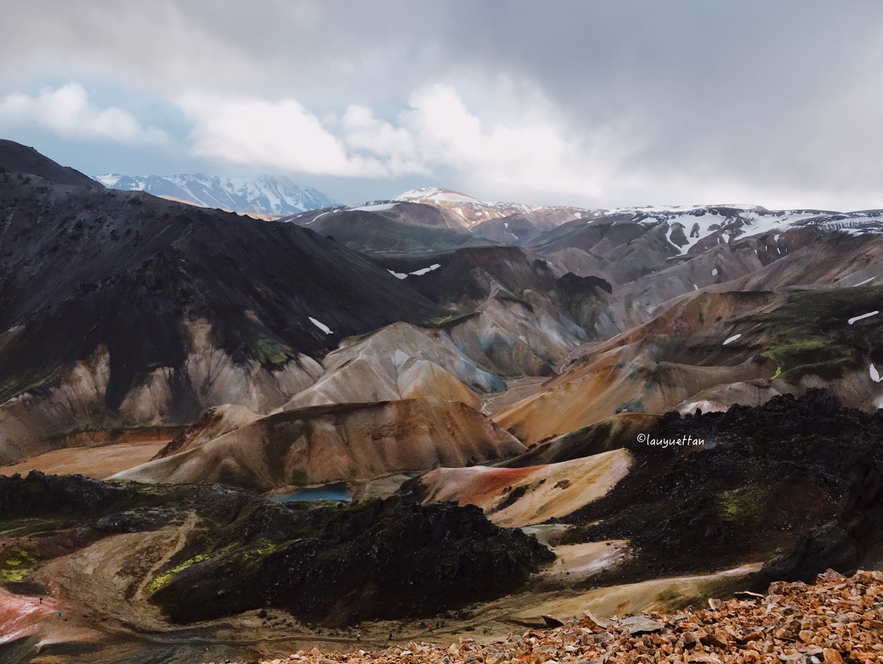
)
(338, 491)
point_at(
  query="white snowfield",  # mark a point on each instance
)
(471, 210)
(732, 339)
(698, 222)
(373, 207)
(108, 180)
(320, 325)
(416, 273)
(875, 375)
(432, 194)
(424, 270)
(852, 321)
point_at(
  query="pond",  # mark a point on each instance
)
(338, 491)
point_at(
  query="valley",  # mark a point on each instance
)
(420, 418)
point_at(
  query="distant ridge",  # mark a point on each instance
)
(17, 157)
(265, 194)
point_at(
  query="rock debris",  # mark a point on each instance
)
(836, 620)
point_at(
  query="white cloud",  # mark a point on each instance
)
(436, 133)
(532, 153)
(277, 134)
(394, 146)
(68, 112)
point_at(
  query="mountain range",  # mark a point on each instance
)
(478, 389)
(266, 194)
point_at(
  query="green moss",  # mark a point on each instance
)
(29, 526)
(745, 503)
(271, 353)
(810, 333)
(299, 478)
(164, 579)
(13, 575)
(16, 564)
(251, 560)
(29, 379)
(503, 296)
(451, 320)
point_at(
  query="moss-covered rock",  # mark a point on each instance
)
(318, 559)
(382, 559)
(811, 334)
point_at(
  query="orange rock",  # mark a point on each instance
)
(832, 656)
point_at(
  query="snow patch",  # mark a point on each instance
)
(732, 339)
(374, 208)
(320, 325)
(714, 272)
(866, 281)
(862, 317)
(435, 194)
(875, 375)
(398, 275)
(422, 271)
(108, 180)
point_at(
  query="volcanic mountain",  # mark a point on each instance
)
(122, 308)
(541, 366)
(20, 158)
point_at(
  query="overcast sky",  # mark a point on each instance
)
(592, 103)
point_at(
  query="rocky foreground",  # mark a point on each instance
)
(838, 619)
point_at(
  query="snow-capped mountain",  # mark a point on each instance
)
(265, 194)
(469, 211)
(689, 225)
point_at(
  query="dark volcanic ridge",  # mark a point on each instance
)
(334, 562)
(798, 478)
(24, 159)
(82, 267)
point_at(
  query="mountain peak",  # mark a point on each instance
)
(265, 194)
(436, 195)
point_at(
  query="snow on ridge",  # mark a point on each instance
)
(856, 319)
(320, 325)
(372, 207)
(416, 273)
(422, 271)
(436, 194)
(732, 339)
(698, 222)
(108, 180)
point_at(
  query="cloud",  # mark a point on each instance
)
(638, 101)
(264, 133)
(435, 135)
(68, 112)
(530, 153)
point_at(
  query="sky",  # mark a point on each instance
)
(594, 103)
